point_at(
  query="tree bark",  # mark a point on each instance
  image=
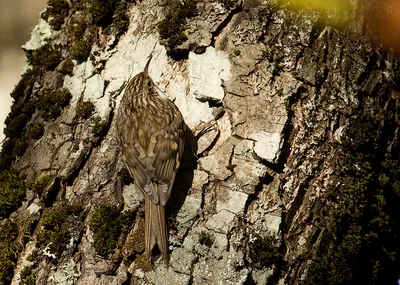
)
(290, 174)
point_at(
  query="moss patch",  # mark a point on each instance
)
(20, 146)
(36, 130)
(50, 102)
(40, 184)
(8, 250)
(15, 131)
(17, 119)
(25, 85)
(107, 224)
(85, 110)
(15, 125)
(142, 262)
(28, 275)
(101, 11)
(99, 126)
(80, 50)
(172, 27)
(6, 156)
(362, 213)
(135, 242)
(53, 229)
(12, 191)
(47, 56)
(121, 20)
(56, 11)
(67, 67)
(264, 252)
(106, 229)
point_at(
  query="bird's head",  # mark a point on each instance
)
(142, 84)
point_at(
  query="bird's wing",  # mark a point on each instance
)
(169, 151)
(138, 170)
(153, 153)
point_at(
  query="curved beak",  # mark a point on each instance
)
(148, 63)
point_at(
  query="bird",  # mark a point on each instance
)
(151, 134)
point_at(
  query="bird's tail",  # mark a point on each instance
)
(155, 229)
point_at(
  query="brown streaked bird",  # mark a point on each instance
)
(150, 131)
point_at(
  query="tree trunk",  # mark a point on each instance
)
(290, 173)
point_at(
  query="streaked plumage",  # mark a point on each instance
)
(150, 131)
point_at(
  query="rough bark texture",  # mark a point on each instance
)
(295, 126)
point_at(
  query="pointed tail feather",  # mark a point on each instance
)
(155, 229)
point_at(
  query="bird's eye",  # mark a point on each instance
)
(149, 83)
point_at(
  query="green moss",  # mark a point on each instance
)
(85, 110)
(125, 220)
(67, 67)
(20, 146)
(18, 118)
(101, 10)
(15, 125)
(29, 107)
(47, 57)
(63, 97)
(205, 239)
(264, 252)
(19, 115)
(15, 131)
(25, 85)
(99, 126)
(28, 275)
(80, 50)
(364, 219)
(78, 27)
(172, 27)
(12, 191)
(8, 250)
(316, 273)
(57, 10)
(53, 229)
(40, 184)
(121, 19)
(106, 229)
(36, 130)
(34, 256)
(6, 156)
(50, 102)
(135, 242)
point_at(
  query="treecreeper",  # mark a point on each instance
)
(150, 131)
